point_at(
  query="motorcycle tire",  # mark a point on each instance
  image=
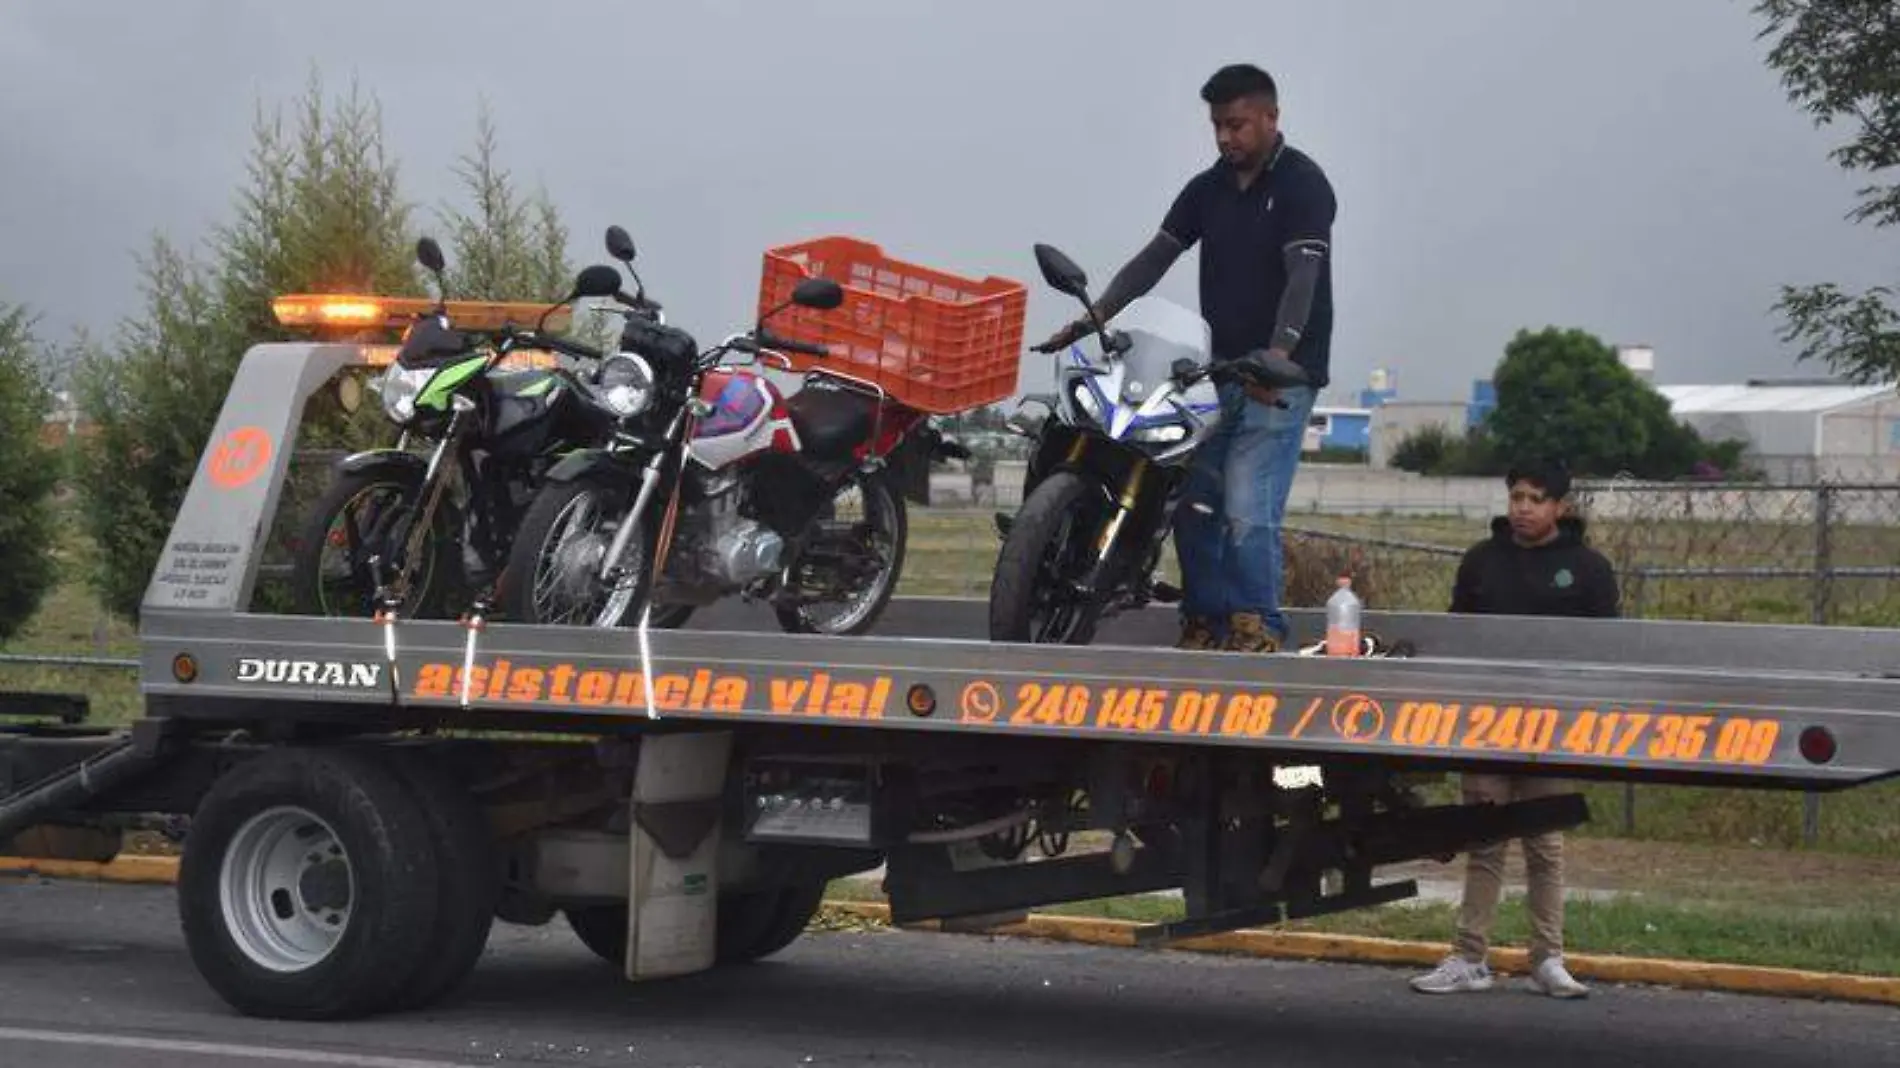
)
(793, 619)
(515, 591)
(1019, 575)
(430, 598)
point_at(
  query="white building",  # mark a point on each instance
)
(1800, 430)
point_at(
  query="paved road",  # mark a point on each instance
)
(97, 975)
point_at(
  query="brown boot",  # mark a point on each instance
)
(1247, 633)
(1196, 633)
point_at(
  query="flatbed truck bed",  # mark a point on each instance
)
(366, 798)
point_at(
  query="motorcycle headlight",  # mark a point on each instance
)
(626, 384)
(1167, 433)
(400, 388)
(1084, 399)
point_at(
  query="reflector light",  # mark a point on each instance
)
(1818, 745)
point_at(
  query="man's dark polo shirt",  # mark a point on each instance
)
(1243, 235)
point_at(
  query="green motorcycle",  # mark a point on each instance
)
(420, 532)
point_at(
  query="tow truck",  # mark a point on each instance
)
(366, 797)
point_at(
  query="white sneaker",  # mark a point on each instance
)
(1455, 975)
(1551, 977)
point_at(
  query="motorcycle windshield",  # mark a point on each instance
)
(431, 342)
(1160, 332)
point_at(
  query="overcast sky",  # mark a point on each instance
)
(1627, 166)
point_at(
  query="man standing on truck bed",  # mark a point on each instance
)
(1534, 564)
(1263, 216)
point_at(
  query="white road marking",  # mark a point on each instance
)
(219, 1049)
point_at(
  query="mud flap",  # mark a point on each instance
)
(672, 904)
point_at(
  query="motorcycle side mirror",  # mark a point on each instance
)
(620, 245)
(1025, 421)
(429, 254)
(1185, 370)
(820, 293)
(1062, 273)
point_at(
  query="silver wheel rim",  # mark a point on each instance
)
(566, 582)
(286, 887)
(859, 605)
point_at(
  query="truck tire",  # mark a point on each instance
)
(602, 929)
(309, 885)
(756, 925)
(469, 878)
(751, 926)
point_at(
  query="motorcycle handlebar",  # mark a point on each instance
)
(556, 344)
(769, 340)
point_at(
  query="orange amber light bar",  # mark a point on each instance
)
(347, 310)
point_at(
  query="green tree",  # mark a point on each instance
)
(1562, 393)
(320, 210)
(29, 471)
(1839, 61)
(507, 247)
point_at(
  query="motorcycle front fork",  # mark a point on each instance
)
(1111, 531)
(649, 481)
(395, 587)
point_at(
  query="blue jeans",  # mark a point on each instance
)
(1231, 558)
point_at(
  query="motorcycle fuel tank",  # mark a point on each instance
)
(748, 416)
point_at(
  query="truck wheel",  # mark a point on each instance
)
(751, 926)
(602, 929)
(757, 925)
(309, 886)
(469, 878)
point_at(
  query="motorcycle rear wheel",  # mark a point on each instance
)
(884, 506)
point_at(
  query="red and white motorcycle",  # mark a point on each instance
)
(716, 484)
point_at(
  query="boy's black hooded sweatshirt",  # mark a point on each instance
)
(1563, 577)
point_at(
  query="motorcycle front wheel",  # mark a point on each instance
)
(1048, 549)
(553, 573)
(365, 514)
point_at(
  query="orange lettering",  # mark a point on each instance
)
(435, 681)
(728, 695)
(596, 687)
(524, 685)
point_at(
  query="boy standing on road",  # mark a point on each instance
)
(1534, 564)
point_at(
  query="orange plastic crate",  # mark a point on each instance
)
(935, 341)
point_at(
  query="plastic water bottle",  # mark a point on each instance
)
(1342, 620)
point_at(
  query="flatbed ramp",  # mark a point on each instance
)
(1667, 701)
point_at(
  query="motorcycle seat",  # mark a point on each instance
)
(831, 422)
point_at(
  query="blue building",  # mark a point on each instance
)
(1345, 429)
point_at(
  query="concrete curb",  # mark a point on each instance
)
(1277, 945)
(123, 869)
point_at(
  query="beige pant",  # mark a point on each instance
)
(1484, 873)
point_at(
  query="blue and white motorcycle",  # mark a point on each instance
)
(1110, 460)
